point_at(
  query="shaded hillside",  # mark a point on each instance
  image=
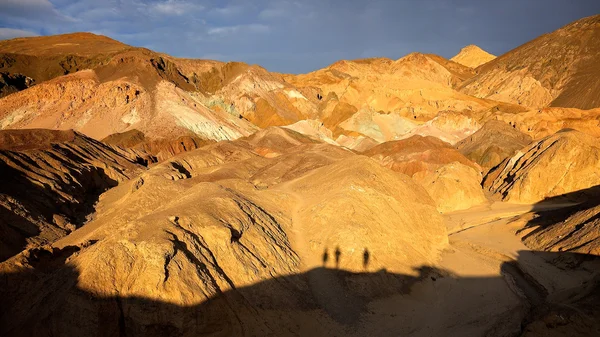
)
(49, 294)
(154, 150)
(51, 180)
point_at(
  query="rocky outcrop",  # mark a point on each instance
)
(575, 229)
(565, 162)
(452, 180)
(540, 123)
(51, 181)
(417, 154)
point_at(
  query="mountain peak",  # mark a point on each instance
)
(472, 56)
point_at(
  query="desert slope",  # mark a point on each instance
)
(556, 69)
(202, 224)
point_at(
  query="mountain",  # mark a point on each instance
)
(204, 223)
(148, 195)
(558, 69)
(416, 88)
(472, 56)
(99, 86)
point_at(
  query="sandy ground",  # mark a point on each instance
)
(487, 281)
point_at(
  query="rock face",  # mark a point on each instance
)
(491, 144)
(204, 223)
(472, 56)
(557, 69)
(155, 149)
(575, 229)
(51, 180)
(313, 128)
(565, 162)
(82, 101)
(540, 123)
(447, 126)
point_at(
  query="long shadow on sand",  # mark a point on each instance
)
(545, 217)
(48, 302)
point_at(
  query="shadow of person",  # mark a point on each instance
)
(366, 256)
(338, 253)
(325, 257)
(46, 300)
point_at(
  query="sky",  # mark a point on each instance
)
(298, 36)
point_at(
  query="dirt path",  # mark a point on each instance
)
(479, 215)
(497, 239)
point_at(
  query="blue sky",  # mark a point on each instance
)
(298, 36)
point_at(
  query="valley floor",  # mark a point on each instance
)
(488, 283)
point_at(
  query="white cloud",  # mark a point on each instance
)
(227, 30)
(176, 7)
(9, 33)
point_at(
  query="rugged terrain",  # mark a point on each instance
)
(148, 195)
(556, 69)
(51, 180)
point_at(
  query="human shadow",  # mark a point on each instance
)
(325, 257)
(366, 257)
(46, 301)
(338, 255)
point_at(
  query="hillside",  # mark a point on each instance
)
(557, 69)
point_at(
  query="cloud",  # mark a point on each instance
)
(269, 13)
(31, 12)
(176, 7)
(281, 9)
(10, 33)
(227, 11)
(229, 30)
(294, 35)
